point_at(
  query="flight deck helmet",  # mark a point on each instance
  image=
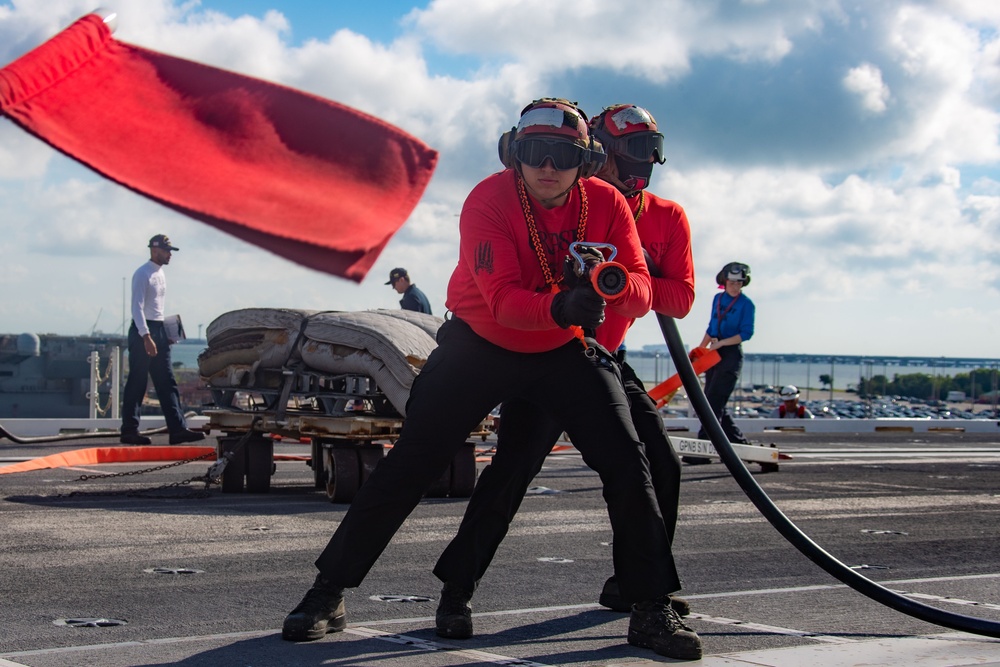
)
(552, 129)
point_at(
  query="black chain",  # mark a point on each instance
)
(129, 473)
(148, 493)
(207, 479)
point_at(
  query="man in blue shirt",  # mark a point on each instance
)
(413, 298)
(730, 325)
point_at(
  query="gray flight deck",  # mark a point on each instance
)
(205, 580)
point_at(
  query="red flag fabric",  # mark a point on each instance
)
(316, 182)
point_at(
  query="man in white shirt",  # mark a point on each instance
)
(149, 352)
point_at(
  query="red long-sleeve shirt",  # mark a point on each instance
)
(666, 235)
(498, 287)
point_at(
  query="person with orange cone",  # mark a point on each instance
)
(731, 325)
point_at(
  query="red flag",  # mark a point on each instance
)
(316, 182)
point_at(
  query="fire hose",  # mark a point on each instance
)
(784, 525)
(90, 435)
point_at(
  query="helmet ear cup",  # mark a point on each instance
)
(742, 268)
(505, 148)
(594, 159)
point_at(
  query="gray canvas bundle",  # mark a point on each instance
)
(390, 346)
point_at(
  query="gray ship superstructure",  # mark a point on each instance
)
(48, 375)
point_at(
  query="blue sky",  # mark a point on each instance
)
(847, 151)
(380, 21)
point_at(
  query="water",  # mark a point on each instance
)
(776, 370)
(186, 353)
(764, 369)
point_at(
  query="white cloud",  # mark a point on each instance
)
(865, 81)
(22, 156)
(855, 248)
(655, 41)
(974, 11)
(939, 57)
(851, 195)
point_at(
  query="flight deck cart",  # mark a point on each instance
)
(339, 380)
(345, 449)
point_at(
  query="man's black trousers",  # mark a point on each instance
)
(526, 437)
(465, 378)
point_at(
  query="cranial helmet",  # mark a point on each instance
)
(629, 131)
(733, 271)
(553, 116)
(547, 125)
(789, 392)
(629, 135)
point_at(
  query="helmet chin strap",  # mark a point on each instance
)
(625, 190)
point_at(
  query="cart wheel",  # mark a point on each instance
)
(319, 474)
(236, 469)
(260, 463)
(463, 471)
(342, 474)
(369, 456)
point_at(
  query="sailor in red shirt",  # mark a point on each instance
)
(633, 145)
(509, 336)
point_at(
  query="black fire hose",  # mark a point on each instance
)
(92, 435)
(783, 524)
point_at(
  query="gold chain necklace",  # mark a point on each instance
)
(536, 241)
(642, 206)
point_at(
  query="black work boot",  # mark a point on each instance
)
(454, 613)
(321, 611)
(612, 599)
(128, 438)
(655, 624)
(680, 605)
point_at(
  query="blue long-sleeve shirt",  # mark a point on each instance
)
(729, 318)
(415, 299)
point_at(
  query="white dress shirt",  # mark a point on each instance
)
(149, 290)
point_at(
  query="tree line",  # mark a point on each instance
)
(975, 383)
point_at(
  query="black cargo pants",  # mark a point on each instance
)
(465, 378)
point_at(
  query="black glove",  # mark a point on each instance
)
(570, 279)
(591, 257)
(581, 306)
